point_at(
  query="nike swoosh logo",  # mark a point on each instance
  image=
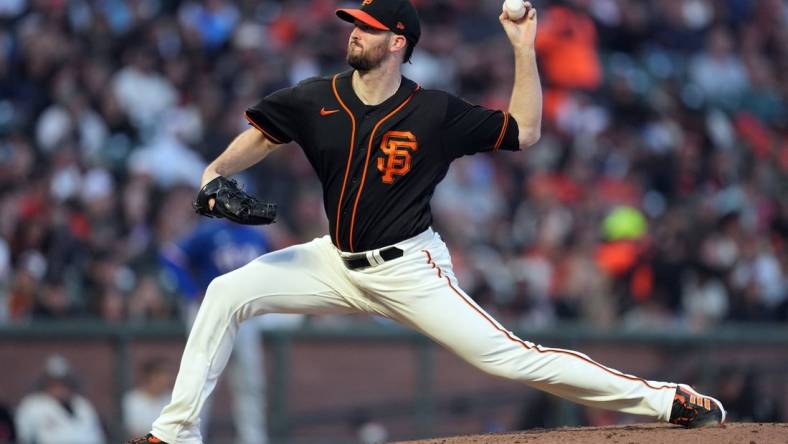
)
(327, 112)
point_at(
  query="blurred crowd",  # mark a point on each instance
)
(658, 195)
(55, 410)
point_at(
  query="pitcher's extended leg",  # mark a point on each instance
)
(423, 293)
(307, 278)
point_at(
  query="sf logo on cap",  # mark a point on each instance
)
(367, 2)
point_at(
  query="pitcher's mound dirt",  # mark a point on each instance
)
(732, 433)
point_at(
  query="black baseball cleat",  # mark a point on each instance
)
(693, 410)
(147, 439)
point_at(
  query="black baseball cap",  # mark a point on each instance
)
(397, 16)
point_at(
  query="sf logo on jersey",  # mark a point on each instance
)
(396, 146)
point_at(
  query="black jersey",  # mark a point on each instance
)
(379, 165)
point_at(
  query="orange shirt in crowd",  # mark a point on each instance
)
(566, 44)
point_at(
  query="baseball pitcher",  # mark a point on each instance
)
(380, 144)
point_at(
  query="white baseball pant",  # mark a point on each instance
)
(418, 289)
(247, 383)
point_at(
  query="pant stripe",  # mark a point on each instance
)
(536, 348)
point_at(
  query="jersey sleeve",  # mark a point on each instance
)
(470, 129)
(277, 116)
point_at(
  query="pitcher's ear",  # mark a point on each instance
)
(399, 42)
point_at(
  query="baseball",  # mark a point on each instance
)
(515, 9)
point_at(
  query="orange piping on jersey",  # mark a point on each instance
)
(349, 156)
(265, 133)
(503, 130)
(534, 347)
(366, 162)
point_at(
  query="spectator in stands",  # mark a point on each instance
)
(567, 45)
(53, 302)
(719, 71)
(142, 405)
(705, 298)
(57, 414)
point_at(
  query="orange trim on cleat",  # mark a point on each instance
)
(147, 439)
(692, 410)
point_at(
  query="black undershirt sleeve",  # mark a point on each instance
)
(470, 129)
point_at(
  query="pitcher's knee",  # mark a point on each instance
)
(226, 294)
(222, 295)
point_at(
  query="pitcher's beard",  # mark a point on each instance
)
(363, 61)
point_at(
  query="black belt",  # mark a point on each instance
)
(360, 260)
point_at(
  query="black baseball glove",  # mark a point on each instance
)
(233, 203)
